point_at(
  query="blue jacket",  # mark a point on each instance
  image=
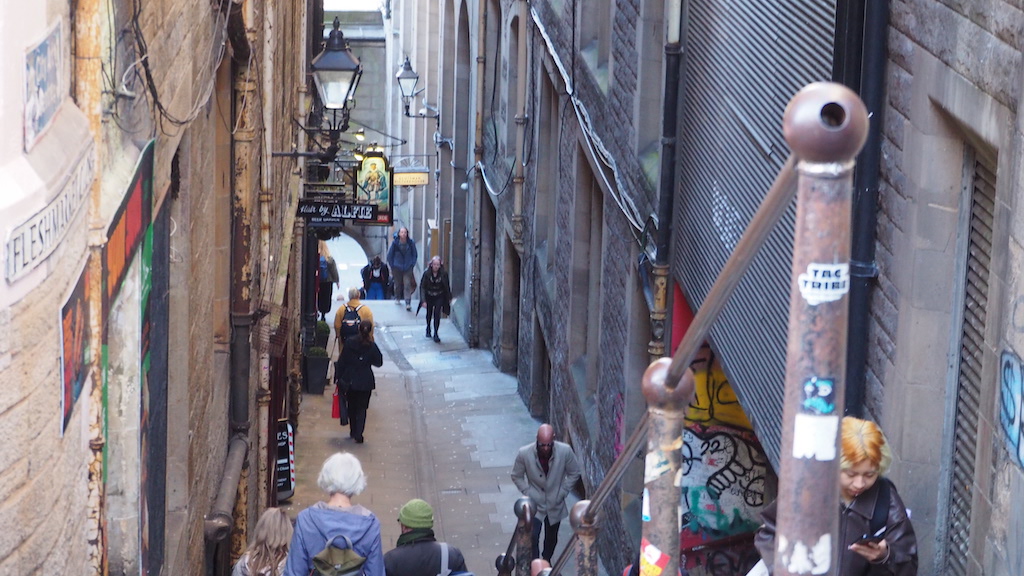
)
(318, 522)
(402, 258)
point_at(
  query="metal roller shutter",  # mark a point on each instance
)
(744, 61)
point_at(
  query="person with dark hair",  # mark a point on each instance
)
(375, 279)
(355, 378)
(867, 499)
(435, 294)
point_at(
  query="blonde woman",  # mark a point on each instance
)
(268, 549)
(327, 279)
(865, 460)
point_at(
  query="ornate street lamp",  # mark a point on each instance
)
(336, 72)
(407, 79)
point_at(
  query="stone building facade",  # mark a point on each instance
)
(946, 343)
(563, 112)
(146, 339)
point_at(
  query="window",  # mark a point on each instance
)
(980, 182)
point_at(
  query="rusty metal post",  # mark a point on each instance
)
(523, 538)
(825, 125)
(586, 530)
(666, 407)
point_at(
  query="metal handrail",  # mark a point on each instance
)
(824, 124)
(772, 207)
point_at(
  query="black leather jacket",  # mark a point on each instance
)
(853, 522)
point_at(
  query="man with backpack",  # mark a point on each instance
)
(402, 258)
(417, 552)
(348, 318)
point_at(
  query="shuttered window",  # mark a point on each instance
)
(744, 61)
(982, 182)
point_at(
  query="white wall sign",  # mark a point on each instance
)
(29, 244)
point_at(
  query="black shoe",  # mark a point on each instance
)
(359, 440)
(436, 338)
(428, 331)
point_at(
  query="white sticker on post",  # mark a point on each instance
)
(824, 282)
(815, 437)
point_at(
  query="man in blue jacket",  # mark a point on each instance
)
(402, 259)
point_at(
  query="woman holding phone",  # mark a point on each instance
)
(873, 543)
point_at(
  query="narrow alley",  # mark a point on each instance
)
(443, 425)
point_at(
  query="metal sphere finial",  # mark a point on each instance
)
(825, 122)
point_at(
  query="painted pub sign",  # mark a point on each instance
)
(363, 197)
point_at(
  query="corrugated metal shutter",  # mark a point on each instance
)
(744, 61)
(969, 381)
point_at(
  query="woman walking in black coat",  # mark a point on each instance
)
(355, 376)
(435, 294)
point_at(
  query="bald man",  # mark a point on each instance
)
(546, 471)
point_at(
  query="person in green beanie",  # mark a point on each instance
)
(417, 552)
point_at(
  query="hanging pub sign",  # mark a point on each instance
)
(374, 182)
(363, 198)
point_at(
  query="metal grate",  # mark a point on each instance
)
(972, 336)
(744, 61)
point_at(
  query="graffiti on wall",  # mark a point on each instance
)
(75, 346)
(725, 478)
(1010, 405)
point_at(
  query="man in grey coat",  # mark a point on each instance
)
(546, 471)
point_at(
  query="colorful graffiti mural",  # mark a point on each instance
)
(1010, 404)
(726, 478)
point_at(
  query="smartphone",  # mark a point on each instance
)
(872, 538)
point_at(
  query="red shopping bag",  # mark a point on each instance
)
(336, 407)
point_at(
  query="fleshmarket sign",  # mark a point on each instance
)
(28, 245)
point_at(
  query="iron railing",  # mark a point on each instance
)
(825, 124)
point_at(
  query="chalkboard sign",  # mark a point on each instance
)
(285, 466)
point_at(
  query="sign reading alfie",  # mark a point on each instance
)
(363, 199)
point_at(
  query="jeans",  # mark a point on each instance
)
(550, 538)
(376, 291)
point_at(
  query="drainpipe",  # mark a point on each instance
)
(219, 522)
(519, 178)
(87, 82)
(866, 175)
(477, 190)
(669, 128)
